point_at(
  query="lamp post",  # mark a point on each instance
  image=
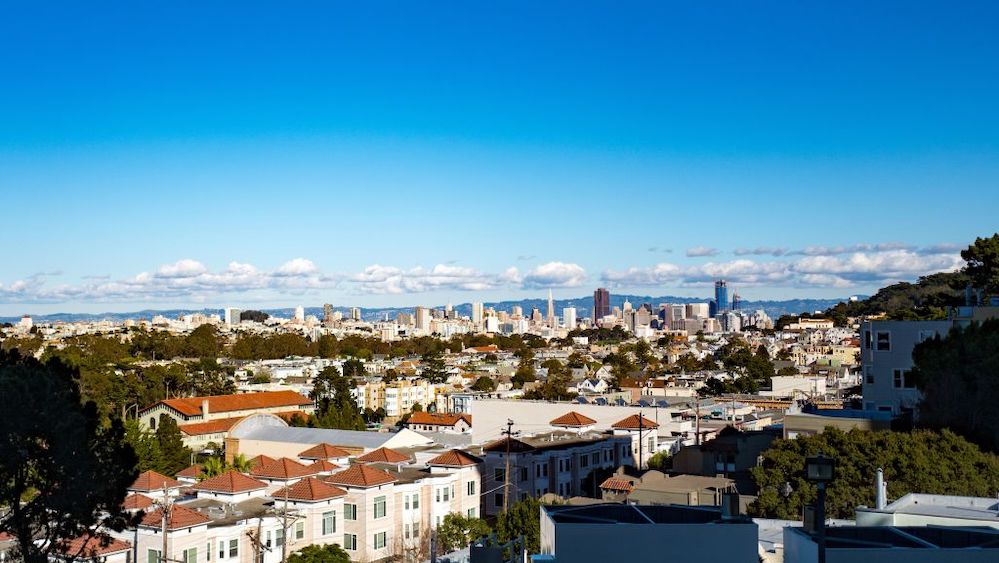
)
(820, 470)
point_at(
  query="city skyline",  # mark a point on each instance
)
(425, 155)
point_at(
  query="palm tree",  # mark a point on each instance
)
(213, 466)
(241, 464)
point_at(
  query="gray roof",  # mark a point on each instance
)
(359, 438)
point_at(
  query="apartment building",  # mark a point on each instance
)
(563, 462)
(452, 423)
(397, 397)
(886, 355)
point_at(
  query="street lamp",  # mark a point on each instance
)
(820, 470)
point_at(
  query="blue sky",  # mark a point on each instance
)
(391, 153)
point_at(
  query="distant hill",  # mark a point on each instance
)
(583, 305)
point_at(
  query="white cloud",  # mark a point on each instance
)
(699, 251)
(760, 251)
(185, 268)
(554, 274)
(297, 267)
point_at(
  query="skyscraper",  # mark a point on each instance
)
(299, 314)
(232, 316)
(551, 310)
(736, 301)
(721, 297)
(601, 303)
(569, 317)
(477, 314)
(327, 314)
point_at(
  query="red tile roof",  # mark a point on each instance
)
(308, 489)
(222, 425)
(324, 466)
(231, 481)
(383, 455)
(614, 483)
(572, 418)
(180, 518)
(324, 451)
(632, 422)
(491, 348)
(439, 418)
(453, 458)
(94, 546)
(283, 468)
(191, 406)
(261, 459)
(136, 501)
(149, 481)
(360, 475)
(191, 472)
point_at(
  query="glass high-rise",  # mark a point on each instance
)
(721, 296)
(601, 303)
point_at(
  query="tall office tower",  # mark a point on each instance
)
(697, 310)
(601, 303)
(423, 317)
(327, 314)
(536, 316)
(477, 314)
(355, 313)
(721, 297)
(449, 311)
(551, 310)
(736, 302)
(232, 316)
(569, 317)
(300, 314)
(516, 311)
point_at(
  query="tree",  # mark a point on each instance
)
(203, 342)
(457, 531)
(255, 316)
(525, 372)
(175, 455)
(957, 377)
(983, 263)
(484, 383)
(61, 472)
(434, 368)
(240, 463)
(923, 461)
(335, 406)
(555, 386)
(660, 461)
(212, 467)
(329, 553)
(521, 520)
(145, 445)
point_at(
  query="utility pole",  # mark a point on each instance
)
(166, 508)
(640, 420)
(506, 472)
(433, 545)
(697, 420)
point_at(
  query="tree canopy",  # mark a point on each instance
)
(329, 553)
(983, 263)
(959, 378)
(919, 461)
(457, 531)
(61, 471)
(335, 406)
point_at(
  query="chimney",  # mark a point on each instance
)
(204, 409)
(880, 491)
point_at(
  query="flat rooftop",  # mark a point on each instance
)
(613, 513)
(909, 537)
(945, 506)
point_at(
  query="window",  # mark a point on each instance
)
(868, 341)
(379, 507)
(208, 551)
(222, 550)
(499, 474)
(901, 379)
(233, 548)
(523, 474)
(870, 375)
(471, 513)
(884, 341)
(416, 500)
(471, 488)
(596, 458)
(416, 530)
(544, 470)
(584, 461)
(380, 540)
(350, 512)
(407, 501)
(299, 530)
(497, 501)
(438, 493)
(190, 555)
(152, 426)
(350, 542)
(153, 556)
(537, 470)
(268, 542)
(406, 531)
(329, 523)
(279, 537)
(898, 378)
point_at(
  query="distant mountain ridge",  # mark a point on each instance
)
(583, 305)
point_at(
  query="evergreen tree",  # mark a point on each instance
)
(457, 532)
(335, 406)
(521, 520)
(175, 455)
(146, 446)
(329, 553)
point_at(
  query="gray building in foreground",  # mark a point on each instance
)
(890, 544)
(619, 532)
(886, 355)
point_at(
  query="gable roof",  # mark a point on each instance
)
(309, 489)
(135, 501)
(149, 481)
(88, 547)
(261, 459)
(283, 468)
(231, 481)
(574, 419)
(323, 465)
(191, 406)
(180, 518)
(190, 472)
(439, 418)
(617, 483)
(454, 458)
(384, 455)
(633, 421)
(324, 451)
(360, 475)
